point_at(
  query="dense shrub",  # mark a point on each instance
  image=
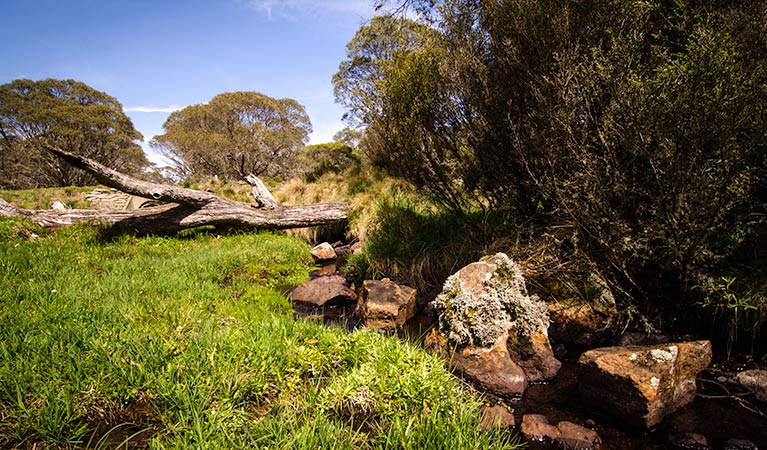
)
(641, 124)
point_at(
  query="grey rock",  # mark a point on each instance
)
(754, 381)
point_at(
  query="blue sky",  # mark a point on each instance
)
(156, 56)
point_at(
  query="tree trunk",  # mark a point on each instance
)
(188, 208)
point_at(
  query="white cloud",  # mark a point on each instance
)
(153, 109)
(292, 10)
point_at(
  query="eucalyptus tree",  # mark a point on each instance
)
(234, 135)
(69, 115)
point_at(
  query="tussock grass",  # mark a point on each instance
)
(70, 196)
(361, 187)
(189, 342)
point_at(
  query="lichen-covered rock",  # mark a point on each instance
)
(385, 305)
(486, 302)
(642, 385)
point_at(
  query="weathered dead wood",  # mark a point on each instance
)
(188, 209)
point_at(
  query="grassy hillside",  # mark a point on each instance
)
(189, 342)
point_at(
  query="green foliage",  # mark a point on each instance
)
(640, 124)
(188, 342)
(313, 161)
(69, 115)
(415, 242)
(70, 196)
(233, 135)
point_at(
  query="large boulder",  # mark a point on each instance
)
(385, 305)
(487, 319)
(642, 385)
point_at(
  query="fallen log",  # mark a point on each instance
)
(188, 208)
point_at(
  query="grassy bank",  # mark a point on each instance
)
(189, 342)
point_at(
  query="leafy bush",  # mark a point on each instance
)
(641, 124)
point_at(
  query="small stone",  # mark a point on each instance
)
(740, 444)
(573, 436)
(496, 417)
(324, 252)
(536, 427)
(754, 381)
(689, 441)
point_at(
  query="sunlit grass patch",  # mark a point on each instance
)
(190, 343)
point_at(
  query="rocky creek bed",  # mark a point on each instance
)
(662, 396)
(719, 417)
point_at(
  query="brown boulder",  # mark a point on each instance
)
(385, 305)
(642, 385)
(491, 369)
(324, 291)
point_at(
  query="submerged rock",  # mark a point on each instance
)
(566, 435)
(740, 444)
(754, 381)
(689, 441)
(642, 385)
(486, 316)
(385, 305)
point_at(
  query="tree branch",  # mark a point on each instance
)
(188, 208)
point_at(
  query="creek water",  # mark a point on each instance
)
(718, 417)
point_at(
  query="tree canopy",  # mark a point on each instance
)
(69, 115)
(234, 135)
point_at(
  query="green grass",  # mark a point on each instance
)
(189, 342)
(70, 196)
